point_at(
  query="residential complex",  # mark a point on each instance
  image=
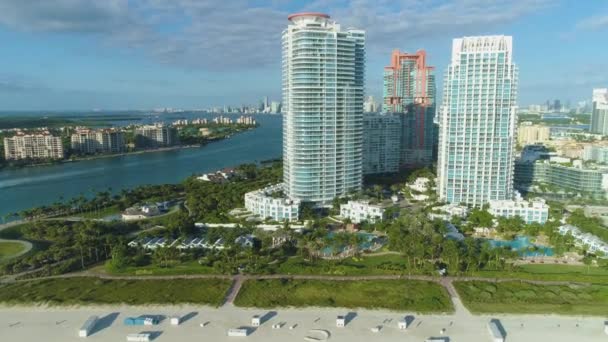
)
(477, 122)
(33, 146)
(533, 211)
(599, 116)
(323, 81)
(598, 154)
(155, 136)
(381, 142)
(563, 175)
(359, 211)
(98, 141)
(529, 134)
(409, 89)
(590, 241)
(270, 202)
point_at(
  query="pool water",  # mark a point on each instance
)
(523, 246)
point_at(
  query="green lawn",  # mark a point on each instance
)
(98, 214)
(410, 295)
(190, 267)
(72, 291)
(518, 297)
(367, 265)
(9, 249)
(552, 272)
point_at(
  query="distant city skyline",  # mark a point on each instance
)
(142, 54)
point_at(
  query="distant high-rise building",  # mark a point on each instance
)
(477, 122)
(370, 105)
(275, 107)
(557, 105)
(599, 116)
(381, 142)
(33, 146)
(528, 134)
(409, 88)
(155, 136)
(323, 84)
(98, 141)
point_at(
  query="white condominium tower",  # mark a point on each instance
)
(477, 122)
(599, 116)
(323, 71)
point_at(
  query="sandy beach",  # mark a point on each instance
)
(27, 324)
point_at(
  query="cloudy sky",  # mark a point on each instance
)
(139, 54)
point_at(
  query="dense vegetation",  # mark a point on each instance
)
(411, 295)
(210, 201)
(519, 297)
(102, 200)
(65, 246)
(83, 291)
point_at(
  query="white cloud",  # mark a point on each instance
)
(593, 23)
(231, 34)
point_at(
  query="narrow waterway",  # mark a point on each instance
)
(34, 186)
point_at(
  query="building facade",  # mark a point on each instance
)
(98, 141)
(409, 89)
(381, 142)
(323, 84)
(264, 204)
(589, 182)
(534, 211)
(477, 122)
(598, 154)
(33, 146)
(528, 134)
(359, 211)
(155, 136)
(599, 116)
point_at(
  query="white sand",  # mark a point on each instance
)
(25, 324)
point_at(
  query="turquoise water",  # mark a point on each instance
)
(523, 246)
(369, 240)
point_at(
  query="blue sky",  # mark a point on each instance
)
(141, 54)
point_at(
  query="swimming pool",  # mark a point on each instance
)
(523, 246)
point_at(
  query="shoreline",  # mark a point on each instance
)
(113, 155)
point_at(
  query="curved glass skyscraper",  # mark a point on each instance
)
(477, 122)
(323, 84)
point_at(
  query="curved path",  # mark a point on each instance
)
(27, 246)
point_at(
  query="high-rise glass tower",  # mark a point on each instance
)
(599, 116)
(409, 89)
(323, 80)
(477, 122)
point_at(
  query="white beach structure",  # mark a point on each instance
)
(175, 320)
(238, 332)
(141, 337)
(402, 324)
(256, 320)
(88, 326)
(495, 331)
(340, 322)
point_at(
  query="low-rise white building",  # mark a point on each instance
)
(535, 210)
(421, 184)
(449, 211)
(359, 211)
(271, 202)
(592, 242)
